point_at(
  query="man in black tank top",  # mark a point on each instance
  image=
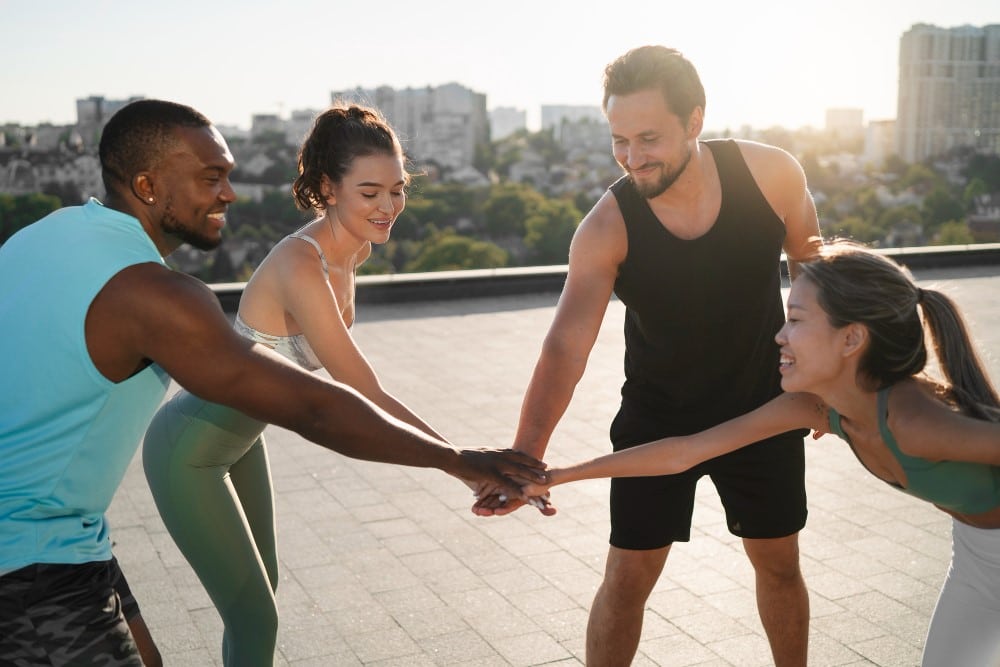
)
(690, 241)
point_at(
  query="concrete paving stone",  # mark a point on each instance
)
(564, 625)
(829, 652)
(847, 627)
(382, 565)
(888, 651)
(305, 643)
(343, 659)
(466, 646)
(433, 622)
(750, 650)
(678, 650)
(708, 627)
(536, 648)
(547, 600)
(383, 644)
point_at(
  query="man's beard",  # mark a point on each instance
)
(171, 225)
(667, 178)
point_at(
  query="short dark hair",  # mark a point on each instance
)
(138, 136)
(660, 68)
(340, 134)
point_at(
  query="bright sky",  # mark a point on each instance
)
(783, 62)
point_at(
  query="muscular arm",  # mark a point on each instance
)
(308, 298)
(669, 456)
(598, 247)
(147, 312)
(783, 183)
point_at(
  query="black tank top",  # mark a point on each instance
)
(701, 314)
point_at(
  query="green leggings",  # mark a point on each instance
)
(208, 472)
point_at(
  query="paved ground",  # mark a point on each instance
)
(384, 565)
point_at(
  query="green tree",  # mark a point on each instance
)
(986, 168)
(550, 230)
(19, 211)
(448, 251)
(855, 227)
(976, 187)
(940, 206)
(508, 208)
(953, 232)
(919, 177)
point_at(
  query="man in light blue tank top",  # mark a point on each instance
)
(94, 326)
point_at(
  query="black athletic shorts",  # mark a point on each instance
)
(761, 486)
(56, 614)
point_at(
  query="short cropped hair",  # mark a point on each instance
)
(656, 68)
(139, 135)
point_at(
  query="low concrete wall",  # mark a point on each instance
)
(446, 285)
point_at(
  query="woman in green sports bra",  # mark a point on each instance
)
(853, 357)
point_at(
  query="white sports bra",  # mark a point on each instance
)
(295, 348)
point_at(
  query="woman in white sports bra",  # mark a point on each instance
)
(207, 464)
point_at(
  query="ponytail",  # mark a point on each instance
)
(967, 381)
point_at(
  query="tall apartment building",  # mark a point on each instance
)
(441, 124)
(555, 115)
(505, 121)
(93, 112)
(949, 90)
(845, 123)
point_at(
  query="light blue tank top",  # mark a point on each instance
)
(67, 433)
(959, 486)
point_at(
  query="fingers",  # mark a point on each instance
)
(499, 504)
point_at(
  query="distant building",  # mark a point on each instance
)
(266, 123)
(299, 126)
(555, 115)
(845, 123)
(93, 112)
(880, 142)
(445, 125)
(505, 121)
(949, 87)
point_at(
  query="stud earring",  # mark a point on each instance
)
(150, 200)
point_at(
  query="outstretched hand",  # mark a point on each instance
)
(499, 504)
(499, 472)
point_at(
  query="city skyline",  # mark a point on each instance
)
(774, 64)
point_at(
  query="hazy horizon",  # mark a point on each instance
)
(779, 63)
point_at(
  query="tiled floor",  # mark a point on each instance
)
(384, 565)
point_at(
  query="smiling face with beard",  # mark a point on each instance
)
(650, 142)
(668, 174)
(194, 180)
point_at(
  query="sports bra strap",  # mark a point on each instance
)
(315, 244)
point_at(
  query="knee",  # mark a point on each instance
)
(629, 577)
(775, 560)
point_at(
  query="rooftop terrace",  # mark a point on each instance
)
(384, 565)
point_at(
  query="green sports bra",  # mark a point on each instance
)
(958, 486)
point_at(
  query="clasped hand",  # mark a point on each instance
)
(493, 501)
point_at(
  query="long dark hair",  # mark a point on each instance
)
(857, 284)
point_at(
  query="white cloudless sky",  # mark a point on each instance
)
(762, 63)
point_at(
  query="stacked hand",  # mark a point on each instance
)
(497, 476)
(494, 502)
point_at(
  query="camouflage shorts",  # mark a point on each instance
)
(64, 615)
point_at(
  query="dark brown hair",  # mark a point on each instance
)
(656, 68)
(339, 135)
(857, 284)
